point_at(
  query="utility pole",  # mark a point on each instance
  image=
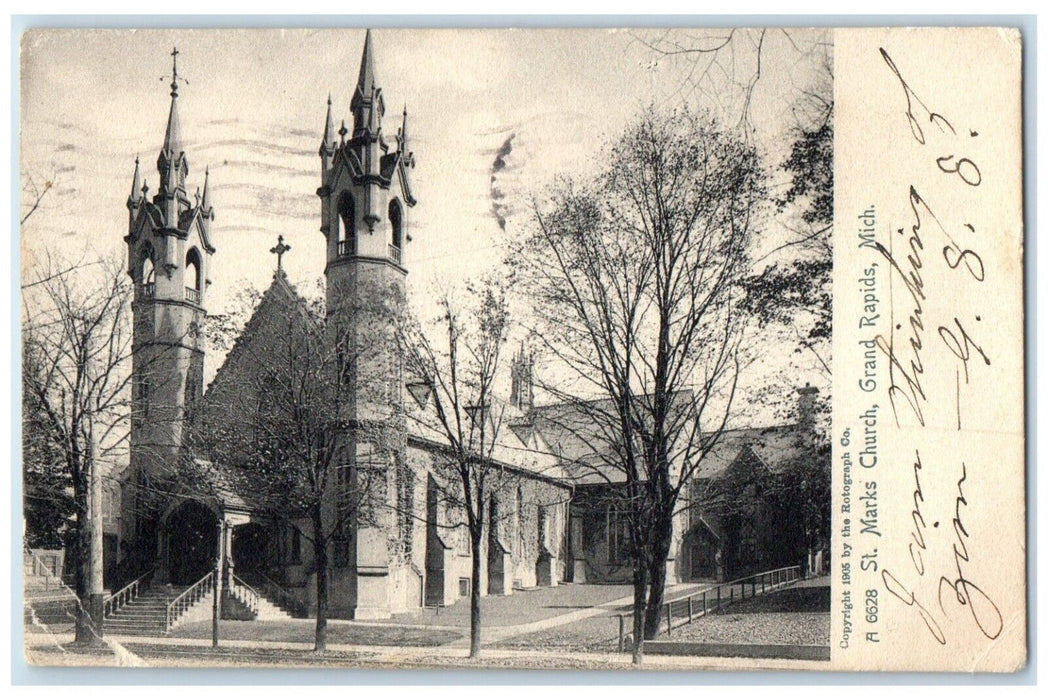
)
(216, 611)
(96, 584)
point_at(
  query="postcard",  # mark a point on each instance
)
(677, 348)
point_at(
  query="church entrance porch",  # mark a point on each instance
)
(251, 549)
(191, 538)
(701, 547)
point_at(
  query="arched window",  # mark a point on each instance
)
(193, 276)
(396, 223)
(347, 225)
(147, 276)
(191, 396)
(519, 518)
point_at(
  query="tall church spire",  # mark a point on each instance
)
(172, 163)
(366, 77)
(173, 135)
(367, 104)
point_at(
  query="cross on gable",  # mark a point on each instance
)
(279, 249)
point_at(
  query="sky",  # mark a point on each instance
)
(494, 115)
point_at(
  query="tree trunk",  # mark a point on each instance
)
(663, 539)
(84, 631)
(89, 605)
(474, 597)
(320, 556)
(96, 585)
(656, 595)
(640, 580)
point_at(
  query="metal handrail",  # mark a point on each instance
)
(245, 593)
(48, 574)
(125, 595)
(188, 597)
(394, 253)
(685, 605)
(145, 291)
(284, 598)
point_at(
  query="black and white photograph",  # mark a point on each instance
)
(427, 348)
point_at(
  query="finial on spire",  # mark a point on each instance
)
(329, 127)
(136, 182)
(343, 131)
(205, 199)
(279, 249)
(174, 72)
(173, 135)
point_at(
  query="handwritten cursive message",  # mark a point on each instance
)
(928, 258)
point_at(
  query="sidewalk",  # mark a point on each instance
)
(150, 651)
(493, 634)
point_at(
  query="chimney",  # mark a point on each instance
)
(806, 405)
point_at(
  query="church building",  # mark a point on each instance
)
(412, 550)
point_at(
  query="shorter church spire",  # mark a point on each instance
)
(136, 184)
(205, 200)
(328, 142)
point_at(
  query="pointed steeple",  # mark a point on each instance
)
(404, 132)
(366, 77)
(367, 104)
(136, 184)
(172, 164)
(173, 135)
(328, 142)
(205, 200)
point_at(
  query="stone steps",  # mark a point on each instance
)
(147, 614)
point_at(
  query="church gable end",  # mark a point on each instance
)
(277, 325)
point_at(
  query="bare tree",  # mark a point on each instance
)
(281, 431)
(636, 278)
(458, 372)
(76, 335)
(734, 70)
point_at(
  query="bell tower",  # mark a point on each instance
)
(169, 260)
(365, 197)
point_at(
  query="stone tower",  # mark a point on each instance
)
(365, 197)
(169, 259)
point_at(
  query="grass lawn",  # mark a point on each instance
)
(304, 631)
(593, 634)
(522, 606)
(799, 615)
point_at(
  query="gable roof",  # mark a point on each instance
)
(584, 436)
(515, 446)
(241, 359)
(576, 432)
(775, 446)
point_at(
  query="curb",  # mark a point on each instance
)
(803, 652)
